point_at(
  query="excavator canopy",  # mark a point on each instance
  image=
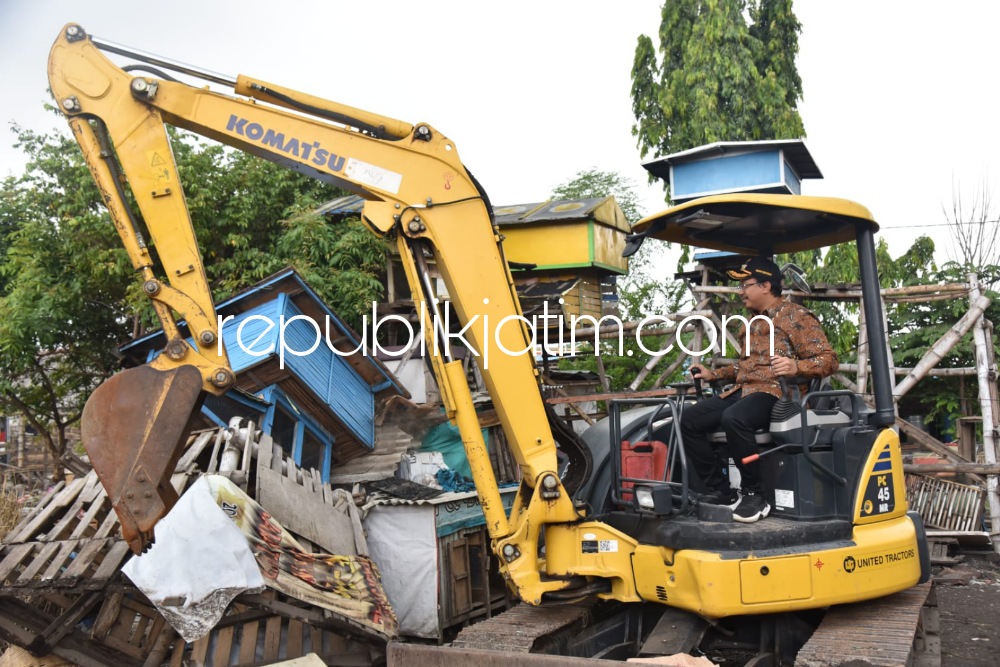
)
(756, 224)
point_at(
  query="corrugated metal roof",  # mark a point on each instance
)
(391, 443)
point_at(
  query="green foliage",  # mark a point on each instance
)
(912, 327)
(594, 184)
(69, 295)
(714, 78)
(61, 288)
(916, 326)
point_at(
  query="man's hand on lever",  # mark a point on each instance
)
(783, 366)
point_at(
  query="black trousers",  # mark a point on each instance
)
(739, 418)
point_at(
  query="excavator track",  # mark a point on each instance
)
(522, 628)
(897, 630)
(506, 639)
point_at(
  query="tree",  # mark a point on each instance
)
(714, 78)
(975, 231)
(69, 296)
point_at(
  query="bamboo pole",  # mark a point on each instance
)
(965, 371)
(943, 346)
(655, 359)
(986, 375)
(888, 353)
(914, 433)
(665, 374)
(947, 291)
(612, 330)
(602, 375)
(975, 468)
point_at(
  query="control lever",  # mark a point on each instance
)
(697, 385)
(754, 457)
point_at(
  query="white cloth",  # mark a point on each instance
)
(198, 563)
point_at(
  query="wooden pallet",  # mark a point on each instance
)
(62, 593)
(66, 566)
(261, 629)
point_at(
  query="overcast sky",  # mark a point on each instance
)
(900, 105)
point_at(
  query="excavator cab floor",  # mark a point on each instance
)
(133, 428)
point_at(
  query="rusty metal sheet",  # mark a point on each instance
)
(134, 427)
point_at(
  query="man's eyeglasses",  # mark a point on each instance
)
(742, 287)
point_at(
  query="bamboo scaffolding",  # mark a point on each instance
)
(986, 376)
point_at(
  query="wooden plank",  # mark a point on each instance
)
(92, 488)
(41, 506)
(58, 502)
(112, 562)
(108, 614)
(64, 624)
(96, 506)
(272, 638)
(138, 635)
(305, 513)
(177, 657)
(123, 647)
(294, 639)
(248, 643)
(84, 558)
(276, 457)
(13, 559)
(156, 625)
(307, 615)
(60, 560)
(70, 518)
(200, 650)
(109, 527)
(315, 640)
(37, 563)
(223, 646)
(162, 639)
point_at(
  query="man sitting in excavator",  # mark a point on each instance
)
(801, 349)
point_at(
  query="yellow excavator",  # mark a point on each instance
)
(609, 558)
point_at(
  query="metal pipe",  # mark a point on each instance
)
(160, 61)
(885, 414)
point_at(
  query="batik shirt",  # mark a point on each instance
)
(797, 335)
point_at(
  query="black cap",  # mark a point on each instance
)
(761, 268)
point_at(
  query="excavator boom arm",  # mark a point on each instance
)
(415, 187)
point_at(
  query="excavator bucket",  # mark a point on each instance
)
(133, 427)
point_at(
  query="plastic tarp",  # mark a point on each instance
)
(191, 577)
(445, 438)
(402, 539)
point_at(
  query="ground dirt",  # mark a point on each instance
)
(969, 604)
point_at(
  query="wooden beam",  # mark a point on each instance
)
(649, 393)
(974, 468)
